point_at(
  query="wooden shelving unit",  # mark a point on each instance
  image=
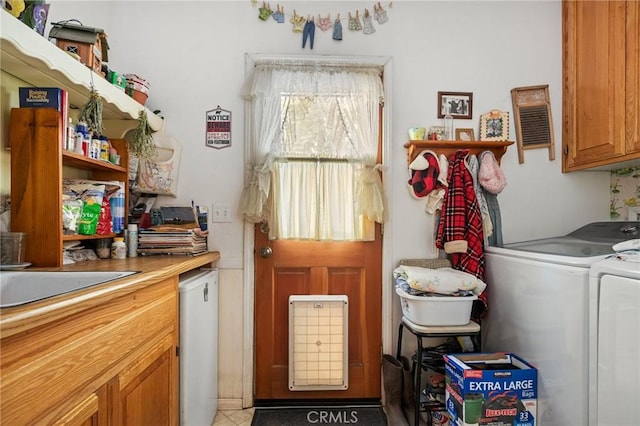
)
(37, 161)
(415, 147)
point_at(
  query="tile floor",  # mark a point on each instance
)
(234, 418)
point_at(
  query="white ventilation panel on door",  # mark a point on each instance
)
(318, 342)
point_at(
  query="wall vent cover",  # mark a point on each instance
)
(534, 125)
(318, 342)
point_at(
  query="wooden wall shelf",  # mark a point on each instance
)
(414, 148)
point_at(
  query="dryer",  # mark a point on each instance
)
(538, 298)
(614, 341)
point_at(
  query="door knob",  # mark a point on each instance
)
(265, 252)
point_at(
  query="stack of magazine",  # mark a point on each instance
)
(172, 240)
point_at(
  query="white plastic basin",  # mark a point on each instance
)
(21, 287)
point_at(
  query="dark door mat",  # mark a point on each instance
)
(300, 416)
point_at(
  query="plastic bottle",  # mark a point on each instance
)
(118, 248)
(95, 147)
(105, 146)
(132, 232)
(117, 201)
(71, 136)
(86, 143)
(81, 127)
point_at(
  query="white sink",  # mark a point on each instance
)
(21, 287)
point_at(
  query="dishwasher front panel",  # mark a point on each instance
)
(198, 347)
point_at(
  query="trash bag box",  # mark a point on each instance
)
(491, 389)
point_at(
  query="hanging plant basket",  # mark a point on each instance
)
(91, 112)
(141, 144)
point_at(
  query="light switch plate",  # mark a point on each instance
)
(221, 213)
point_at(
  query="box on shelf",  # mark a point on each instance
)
(117, 80)
(436, 310)
(497, 389)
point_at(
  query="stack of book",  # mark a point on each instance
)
(171, 240)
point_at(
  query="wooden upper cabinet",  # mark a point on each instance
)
(633, 78)
(601, 84)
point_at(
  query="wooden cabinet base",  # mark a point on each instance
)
(114, 364)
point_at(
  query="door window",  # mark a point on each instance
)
(315, 143)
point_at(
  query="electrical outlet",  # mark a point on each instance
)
(221, 213)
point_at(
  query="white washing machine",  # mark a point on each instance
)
(538, 294)
(614, 341)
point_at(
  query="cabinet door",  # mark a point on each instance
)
(92, 411)
(148, 390)
(633, 77)
(594, 82)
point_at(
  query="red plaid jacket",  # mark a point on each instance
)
(461, 220)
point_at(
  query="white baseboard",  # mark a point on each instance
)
(230, 404)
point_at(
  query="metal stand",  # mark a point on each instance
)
(472, 330)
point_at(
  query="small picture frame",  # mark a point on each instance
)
(458, 104)
(494, 126)
(465, 135)
(435, 133)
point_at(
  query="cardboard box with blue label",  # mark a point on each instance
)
(490, 389)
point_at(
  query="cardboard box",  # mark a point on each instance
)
(117, 80)
(490, 389)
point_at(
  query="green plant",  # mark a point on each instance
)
(141, 144)
(91, 112)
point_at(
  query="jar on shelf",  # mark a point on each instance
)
(118, 248)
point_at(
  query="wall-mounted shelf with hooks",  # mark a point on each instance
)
(414, 148)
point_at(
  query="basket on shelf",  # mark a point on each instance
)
(137, 88)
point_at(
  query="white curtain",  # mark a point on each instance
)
(314, 142)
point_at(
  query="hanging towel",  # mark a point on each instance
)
(473, 166)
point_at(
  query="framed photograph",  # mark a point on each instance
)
(494, 126)
(436, 133)
(458, 104)
(465, 135)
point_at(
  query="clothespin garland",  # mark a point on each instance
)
(265, 11)
(298, 22)
(302, 25)
(278, 15)
(324, 23)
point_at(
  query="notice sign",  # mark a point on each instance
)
(218, 128)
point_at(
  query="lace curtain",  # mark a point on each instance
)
(314, 142)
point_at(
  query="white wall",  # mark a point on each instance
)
(193, 53)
